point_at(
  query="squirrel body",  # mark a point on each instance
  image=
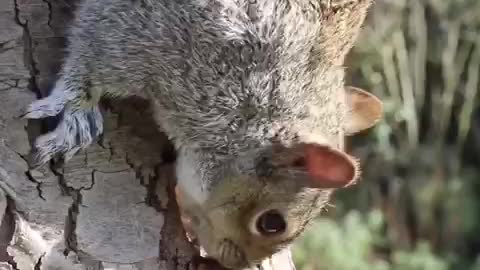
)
(251, 93)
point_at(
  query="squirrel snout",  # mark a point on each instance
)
(231, 255)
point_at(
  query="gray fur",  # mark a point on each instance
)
(220, 77)
(227, 78)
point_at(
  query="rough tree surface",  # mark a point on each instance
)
(111, 206)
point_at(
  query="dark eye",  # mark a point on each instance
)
(271, 222)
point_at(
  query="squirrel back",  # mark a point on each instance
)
(223, 74)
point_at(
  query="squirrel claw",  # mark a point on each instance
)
(42, 108)
(42, 150)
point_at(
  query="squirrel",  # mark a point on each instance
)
(251, 93)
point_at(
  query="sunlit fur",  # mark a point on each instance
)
(226, 79)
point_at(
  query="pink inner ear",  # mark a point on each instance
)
(328, 168)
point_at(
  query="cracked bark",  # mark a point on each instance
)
(112, 206)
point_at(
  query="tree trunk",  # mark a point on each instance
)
(112, 205)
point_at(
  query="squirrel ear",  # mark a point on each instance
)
(320, 166)
(329, 168)
(323, 166)
(365, 110)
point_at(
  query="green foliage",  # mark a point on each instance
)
(421, 172)
(419, 259)
(349, 245)
(343, 246)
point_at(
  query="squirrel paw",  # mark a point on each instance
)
(45, 107)
(76, 130)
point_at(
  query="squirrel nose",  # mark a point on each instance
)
(231, 255)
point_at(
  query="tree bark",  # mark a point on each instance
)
(112, 206)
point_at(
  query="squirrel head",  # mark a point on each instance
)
(263, 200)
(258, 202)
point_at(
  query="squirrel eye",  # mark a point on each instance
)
(271, 222)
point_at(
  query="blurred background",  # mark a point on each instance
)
(418, 204)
